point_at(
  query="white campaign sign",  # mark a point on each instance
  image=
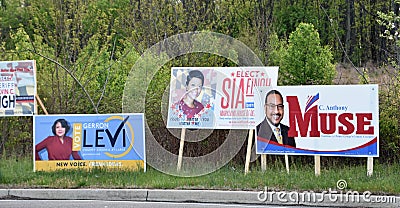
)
(324, 120)
(224, 99)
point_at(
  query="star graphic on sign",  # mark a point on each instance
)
(233, 74)
(262, 74)
(180, 115)
(173, 106)
(208, 105)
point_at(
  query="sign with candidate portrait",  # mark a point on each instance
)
(336, 120)
(114, 141)
(216, 97)
(17, 88)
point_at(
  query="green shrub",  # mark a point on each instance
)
(305, 60)
(389, 121)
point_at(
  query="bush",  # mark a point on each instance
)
(305, 60)
(389, 121)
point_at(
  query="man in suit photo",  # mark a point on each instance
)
(271, 129)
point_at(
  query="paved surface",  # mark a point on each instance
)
(125, 204)
(348, 199)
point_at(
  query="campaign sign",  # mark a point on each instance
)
(17, 88)
(336, 120)
(216, 97)
(114, 141)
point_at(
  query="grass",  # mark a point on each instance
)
(18, 173)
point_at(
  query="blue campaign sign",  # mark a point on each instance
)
(94, 140)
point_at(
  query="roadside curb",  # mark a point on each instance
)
(205, 196)
(80, 194)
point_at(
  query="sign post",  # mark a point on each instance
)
(370, 166)
(263, 162)
(287, 163)
(248, 152)
(317, 165)
(180, 154)
(41, 104)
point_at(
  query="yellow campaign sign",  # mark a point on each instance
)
(53, 165)
(77, 137)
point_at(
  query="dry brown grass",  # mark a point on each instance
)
(347, 74)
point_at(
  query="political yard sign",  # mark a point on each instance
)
(339, 120)
(216, 97)
(114, 141)
(17, 88)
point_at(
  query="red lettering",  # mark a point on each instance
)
(240, 74)
(249, 86)
(247, 73)
(346, 123)
(324, 121)
(226, 83)
(233, 92)
(361, 122)
(296, 119)
(240, 94)
(232, 98)
(4, 91)
(299, 123)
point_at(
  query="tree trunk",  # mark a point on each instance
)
(349, 24)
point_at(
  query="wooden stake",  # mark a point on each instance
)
(370, 166)
(263, 162)
(41, 105)
(179, 166)
(248, 153)
(317, 165)
(287, 163)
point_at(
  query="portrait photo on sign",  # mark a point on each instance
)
(272, 127)
(58, 146)
(192, 95)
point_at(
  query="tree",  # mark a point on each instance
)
(306, 61)
(83, 60)
(389, 96)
